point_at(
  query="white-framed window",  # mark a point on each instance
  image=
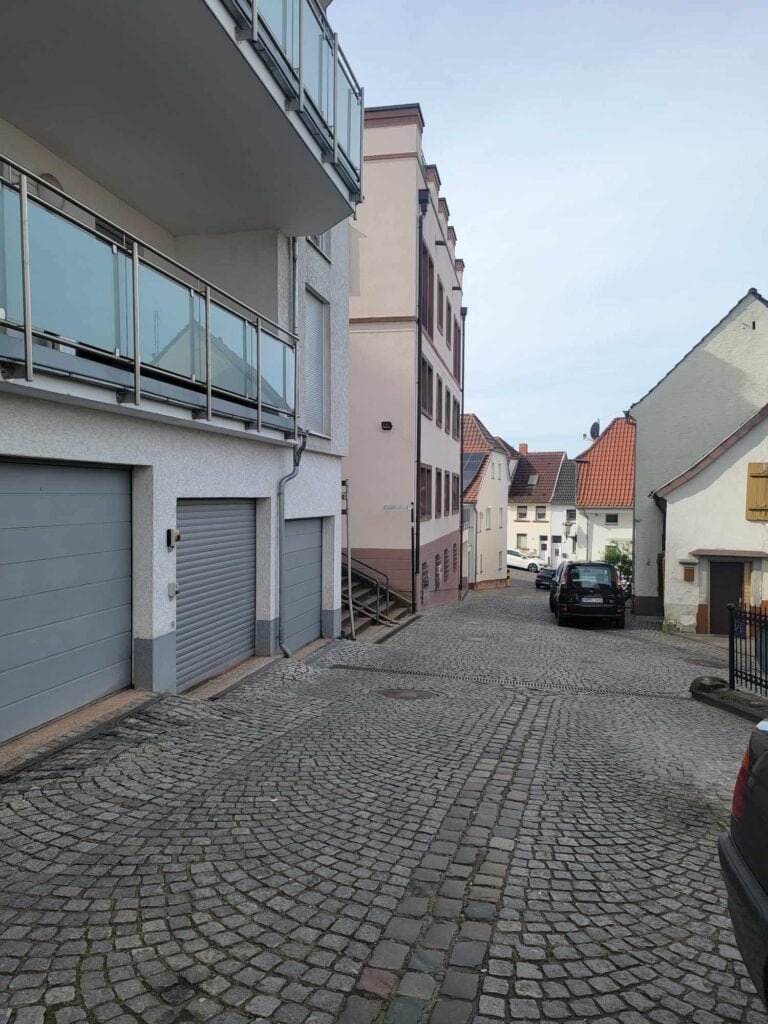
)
(570, 515)
(612, 519)
(522, 541)
(522, 511)
(488, 519)
(322, 242)
(317, 365)
(501, 518)
(501, 555)
(541, 511)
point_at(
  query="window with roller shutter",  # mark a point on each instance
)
(757, 492)
(317, 377)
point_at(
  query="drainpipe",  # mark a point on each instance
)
(461, 455)
(416, 540)
(297, 453)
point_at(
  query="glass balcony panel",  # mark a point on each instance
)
(80, 286)
(277, 373)
(11, 297)
(343, 118)
(317, 63)
(282, 19)
(231, 352)
(172, 324)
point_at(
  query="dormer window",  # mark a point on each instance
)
(533, 479)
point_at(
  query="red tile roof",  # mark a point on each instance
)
(477, 437)
(607, 469)
(545, 465)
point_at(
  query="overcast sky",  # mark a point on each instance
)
(606, 167)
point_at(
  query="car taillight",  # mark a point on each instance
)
(616, 578)
(740, 789)
(565, 577)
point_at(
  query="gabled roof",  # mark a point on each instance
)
(477, 437)
(753, 293)
(511, 452)
(565, 488)
(478, 441)
(607, 469)
(716, 452)
(545, 466)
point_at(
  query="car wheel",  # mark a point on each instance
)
(533, 567)
(560, 617)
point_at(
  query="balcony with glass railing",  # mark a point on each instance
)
(297, 43)
(80, 297)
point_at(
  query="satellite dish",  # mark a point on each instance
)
(594, 430)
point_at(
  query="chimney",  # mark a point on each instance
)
(523, 449)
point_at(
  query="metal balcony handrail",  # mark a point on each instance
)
(146, 247)
(129, 245)
(254, 26)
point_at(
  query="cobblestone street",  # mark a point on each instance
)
(487, 818)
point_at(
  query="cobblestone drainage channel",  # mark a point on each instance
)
(405, 694)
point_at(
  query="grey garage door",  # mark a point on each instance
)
(216, 573)
(302, 564)
(65, 589)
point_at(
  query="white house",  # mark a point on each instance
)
(485, 479)
(717, 532)
(606, 491)
(718, 385)
(173, 345)
(542, 505)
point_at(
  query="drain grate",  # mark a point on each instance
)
(406, 694)
(546, 687)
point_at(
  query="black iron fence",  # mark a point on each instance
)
(748, 649)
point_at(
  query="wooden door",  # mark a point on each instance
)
(725, 586)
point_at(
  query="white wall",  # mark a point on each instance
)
(491, 540)
(708, 395)
(709, 512)
(594, 534)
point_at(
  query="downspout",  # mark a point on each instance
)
(461, 453)
(416, 543)
(297, 453)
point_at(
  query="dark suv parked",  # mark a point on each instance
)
(744, 862)
(587, 590)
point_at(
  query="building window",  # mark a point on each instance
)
(557, 540)
(570, 515)
(522, 541)
(317, 369)
(448, 323)
(425, 492)
(447, 411)
(488, 518)
(501, 555)
(455, 557)
(445, 564)
(456, 412)
(612, 519)
(446, 493)
(437, 572)
(481, 561)
(543, 540)
(573, 545)
(438, 493)
(428, 292)
(322, 242)
(757, 492)
(456, 351)
(427, 390)
(454, 493)
(479, 519)
(501, 518)
(440, 305)
(541, 511)
(522, 511)
(439, 403)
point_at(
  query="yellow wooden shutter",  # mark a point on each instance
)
(757, 492)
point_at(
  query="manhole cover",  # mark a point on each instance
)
(407, 694)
